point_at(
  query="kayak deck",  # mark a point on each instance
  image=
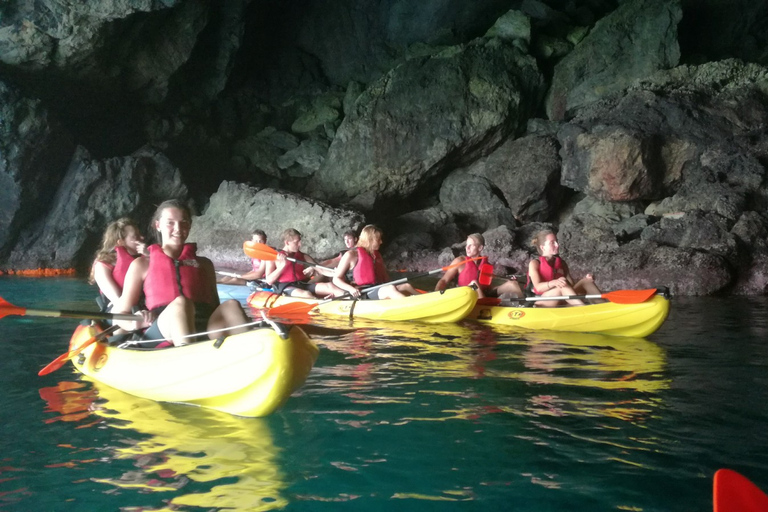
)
(249, 374)
(635, 320)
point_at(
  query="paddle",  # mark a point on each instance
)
(618, 297)
(6, 308)
(260, 251)
(66, 356)
(302, 308)
(733, 492)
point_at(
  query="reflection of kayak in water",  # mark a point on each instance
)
(636, 320)
(594, 360)
(236, 455)
(249, 374)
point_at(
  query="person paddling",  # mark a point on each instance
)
(290, 277)
(121, 244)
(468, 273)
(368, 269)
(179, 286)
(259, 268)
(548, 275)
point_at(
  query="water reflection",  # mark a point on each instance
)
(559, 374)
(182, 444)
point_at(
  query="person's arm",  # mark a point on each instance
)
(340, 277)
(539, 285)
(132, 290)
(449, 276)
(102, 274)
(273, 275)
(209, 276)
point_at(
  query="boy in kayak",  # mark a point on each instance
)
(368, 269)
(468, 274)
(290, 277)
(179, 286)
(259, 268)
(548, 275)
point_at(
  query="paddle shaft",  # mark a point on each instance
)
(86, 315)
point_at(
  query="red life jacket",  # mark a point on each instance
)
(292, 272)
(124, 260)
(369, 269)
(168, 278)
(547, 272)
(471, 271)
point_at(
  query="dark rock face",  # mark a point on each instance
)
(425, 116)
(92, 194)
(34, 151)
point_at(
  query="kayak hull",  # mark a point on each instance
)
(448, 306)
(635, 320)
(250, 374)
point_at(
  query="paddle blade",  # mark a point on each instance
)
(486, 274)
(733, 492)
(6, 308)
(259, 251)
(629, 296)
(76, 348)
(292, 310)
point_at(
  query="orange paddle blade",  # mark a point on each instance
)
(486, 274)
(6, 308)
(291, 310)
(63, 358)
(733, 492)
(259, 251)
(629, 296)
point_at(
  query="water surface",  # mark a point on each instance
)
(407, 417)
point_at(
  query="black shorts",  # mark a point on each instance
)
(287, 288)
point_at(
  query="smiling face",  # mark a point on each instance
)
(550, 247)
(173, 226)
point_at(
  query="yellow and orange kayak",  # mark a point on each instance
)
(249, 374)
(450, 305)
(636, 320)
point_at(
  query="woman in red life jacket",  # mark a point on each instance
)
(548, 276)
(290, 278)
(121, 244)
(368, 269)
(469, 272)
(179, 286)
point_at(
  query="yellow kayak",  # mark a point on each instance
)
(249, 374)
(448, 306)
(636, 320)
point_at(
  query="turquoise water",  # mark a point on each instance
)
(444, 417)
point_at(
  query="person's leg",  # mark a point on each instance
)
(390, 292)
(176, 322)
(587, 286)
(557, 292)
(407, 289)
(512, 288)
(328, 289)
(229, 314)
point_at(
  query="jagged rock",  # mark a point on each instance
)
(527, 171)
(92, 194)
(703, 231)
(472, 202)
(34, 152)
(635, 40)
(427, 114)
(235, 210)
(435, 221)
